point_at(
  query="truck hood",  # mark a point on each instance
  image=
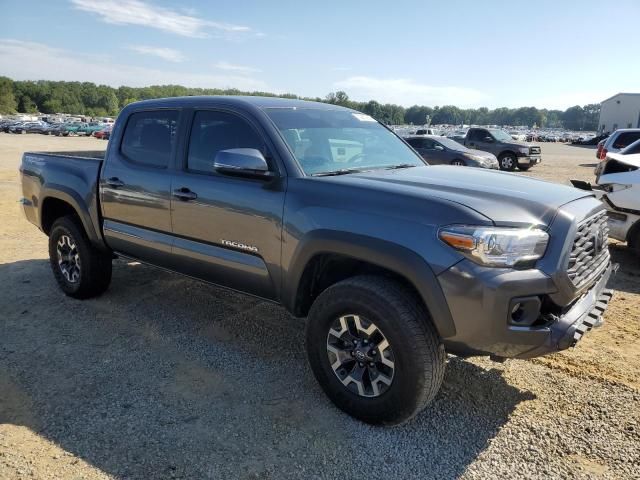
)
(504, 198)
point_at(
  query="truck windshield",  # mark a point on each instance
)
(340, 141)
(501, 135)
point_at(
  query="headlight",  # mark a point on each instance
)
(497, 246)
(524, 150)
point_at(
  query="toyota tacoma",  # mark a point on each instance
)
(322, 209)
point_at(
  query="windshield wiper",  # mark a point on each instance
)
(342, 171)
(402, 165)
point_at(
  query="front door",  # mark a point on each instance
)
(227, 229)
(135, 187)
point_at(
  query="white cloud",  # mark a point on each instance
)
(230, 67)
(571, 98)
(136, 12)
(33, 61)
(168, 54)
(407, 92)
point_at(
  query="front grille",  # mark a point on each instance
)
(590, 252)
(534, 150)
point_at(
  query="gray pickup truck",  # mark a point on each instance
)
(324, 210)
(510, 153)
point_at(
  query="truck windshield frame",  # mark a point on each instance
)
(325, 141)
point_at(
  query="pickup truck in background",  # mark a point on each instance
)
(511, 154)
(327, 212)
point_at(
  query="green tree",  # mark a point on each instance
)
(8, 102)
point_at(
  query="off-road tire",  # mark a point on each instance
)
(95, 266)
(418, 352)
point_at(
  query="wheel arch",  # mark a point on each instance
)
(324, 258)
(58, 201)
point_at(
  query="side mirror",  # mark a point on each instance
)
(242, 161)
(488, 139)
(440, 148)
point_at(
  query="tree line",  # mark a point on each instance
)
(86, 98)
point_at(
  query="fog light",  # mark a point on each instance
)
(524, 311)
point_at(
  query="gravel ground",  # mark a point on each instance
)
(164, 377)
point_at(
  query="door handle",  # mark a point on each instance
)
(185, 194)
(115, 182)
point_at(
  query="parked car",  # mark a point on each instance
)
(443, 151)
(510, 154)
(618, 186)
(29, 127)
(73, 128)
(88, 129)
(426, 131)
(324, 210)
(103, 132)
(618, 140)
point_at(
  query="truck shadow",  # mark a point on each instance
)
(164, 377)
(627, 278)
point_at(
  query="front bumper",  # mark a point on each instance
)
(481, 301)
(529, 160)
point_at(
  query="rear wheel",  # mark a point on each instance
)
(80, 269)
(508, 161)
(374, 350)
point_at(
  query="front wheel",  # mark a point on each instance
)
(458, 163)
(81, 270)
(374, 351)
(508, 161)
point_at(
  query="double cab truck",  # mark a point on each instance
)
(322, 209)
(511, 154)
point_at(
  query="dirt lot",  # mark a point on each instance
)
(164, 377)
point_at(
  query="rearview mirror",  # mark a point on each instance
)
(242, 161)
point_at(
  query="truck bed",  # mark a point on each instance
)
(71, 177)
(92, 154)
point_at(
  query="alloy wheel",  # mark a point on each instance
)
(360, 356)
(68, 258)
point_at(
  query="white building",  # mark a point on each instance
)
(620, 111)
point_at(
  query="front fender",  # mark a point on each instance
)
(382, 253)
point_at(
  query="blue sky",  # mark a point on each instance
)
(552, 54)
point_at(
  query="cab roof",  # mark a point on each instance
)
(233, 100)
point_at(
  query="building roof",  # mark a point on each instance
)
(618, 94)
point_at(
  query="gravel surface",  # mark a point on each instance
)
(165, 377)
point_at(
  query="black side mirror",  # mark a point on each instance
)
(242, 161)
(488, 139)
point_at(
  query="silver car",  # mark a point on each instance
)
(444, 151)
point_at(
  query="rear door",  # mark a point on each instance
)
(481, 139)
(227, 228)
(135, 186)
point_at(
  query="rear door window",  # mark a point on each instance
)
(625, 139)
(149, 138)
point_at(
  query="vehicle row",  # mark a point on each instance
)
(96, 129)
